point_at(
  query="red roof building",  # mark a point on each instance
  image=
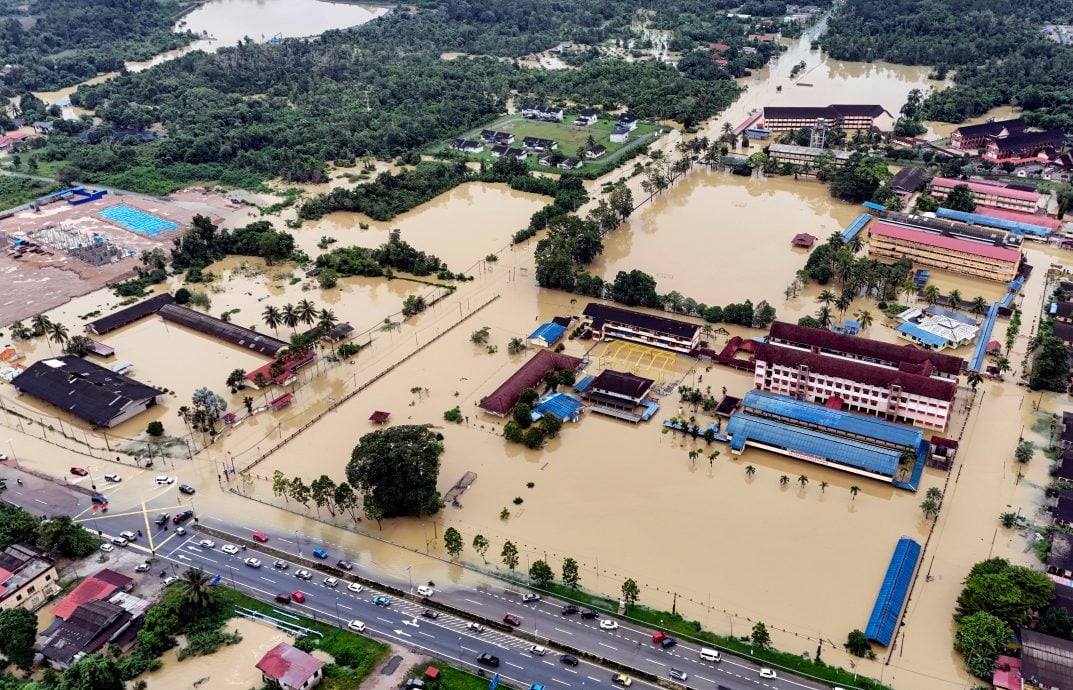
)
(1020, 217)
(803, 240)
(989, 194)
(530, 375)
(94, 588)
(992, 262)
(379, 417)
(291, 362)
(718, 47)
(290, 668)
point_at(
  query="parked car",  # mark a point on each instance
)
(320, 553)
(207, 544)
(114, 478)
(186, 489)
(568, 659)
(107, 547)
(345, 565)
(488, 659)
(622, 679)
(429, 613)
(512, 620)
(569, 610)
(142, 567)
(182, 517)
(354, 587)
(257, 536)
(608, 624)
(589, 614)
(283, 598)
(163, 479)
(161, 519)
(180, 531)
(538, 650)
(356, 626)
(425, 591)
(413, 684)
(331, 582)
(79, 471)
(298, 596)
(128, 535)
(119, 541)
(99, 500)
(252, 562)
(229, 548)
(529, 596)
(768, 673)
(281, 565)
(2, 457)
(382, 601)
(170, 580)
(475, 627)
(679, 675)
(303, 574)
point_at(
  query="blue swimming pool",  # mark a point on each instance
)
(138, 221)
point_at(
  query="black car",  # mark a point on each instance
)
(488, 660)
(186, 489)
(161, 519)
(668, 642)
(429, 613)
(182, 517)
(589, 614)
(345, 565)
(281, 565)
(569, 610)
(568, 660)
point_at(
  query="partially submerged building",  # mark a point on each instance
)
(128, 315)
(845, 116)
(936, 328)
(1046, 661)
(978, 136)
(531, 375)
(988, 261)
(28, 578)
(619, 394)
(807, 157)
(223, 330)
(289, 668)
(88, 391)
(609, 322)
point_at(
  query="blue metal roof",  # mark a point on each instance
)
(920, 335)
(838, 421)
(549, 332)
(978, 353)
(561, 405)
(1013, 226)
(744, 427)
(856, 226)
(874, 206)
(884, 619)
(584, 383)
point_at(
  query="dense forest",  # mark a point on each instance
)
(55, 43)
(998, 52)
(256, 111)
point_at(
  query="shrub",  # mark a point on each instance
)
(453, 415)
(182, 296)
(155, 429)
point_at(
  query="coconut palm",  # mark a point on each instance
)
(307, 312)
(784, 480)
(326, 319)
(712, 456)
(843, 303)
(19, 331)
(931, 294)
(290, 316)
(57, 333)
(978, 306)
(975, 379)
(823, 487)
(908, 287)
(865, 318)
(802, 480)
(40, 325)
(693, 455)
(196, 588)
(955, 298)
(272, 317)
(826, 297)
(1003, 365)
(750, 471)
(856, 244)
(824, 316)
(854, 490)
(728, 132)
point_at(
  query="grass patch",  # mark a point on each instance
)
(454, 679)
(16, 191)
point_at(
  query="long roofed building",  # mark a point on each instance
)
(224, 330)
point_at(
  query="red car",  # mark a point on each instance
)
(257, 536)
(79, 472)
(299, 597)
(512, 620)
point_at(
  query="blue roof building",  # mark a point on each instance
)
(892, 593)
(566, 407)
(547, 335)
(910, 331)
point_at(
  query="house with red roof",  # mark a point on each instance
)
(718, 47)
(96, 587)
(290, 668)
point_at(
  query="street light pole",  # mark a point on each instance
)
(299, 542)
(12, 445)
(411, 578)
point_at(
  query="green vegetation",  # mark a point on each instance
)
(999, 57)
(395, 254)
(57, 536)
(395, 470)
(15, 191)
(1050, 365)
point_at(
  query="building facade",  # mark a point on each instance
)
(989, 195)
(986, 261)
(1024, 145)
(848, 117)
(28, 578)
(978, 136)
(806, 156)
(625, 324)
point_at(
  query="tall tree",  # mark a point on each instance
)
(630, 592)
(541, 573)
(272, 317)
(398, 467)
(196, 589)
(18, 633)
(452, 541)
(509, 556)
(760, 636)
(570, 573)
(480, 545)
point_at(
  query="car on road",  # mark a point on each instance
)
(345, 565)
(425, 591)
(2, 457)
(170, 579)
(429, 613)
(536, 686)
(182, 517)
(229, 548)
(354, 587)
(331, 582)
(180, 531)
(414, 684)
(303, 574)
(538, 650)
(589, 614)
(356, 626)
(298, 596)
(768, 673)
(475, 627)
(283, 598)
(252, 562)
(320, 553)
(678, 674)
(98, 500)
(79, 471)
(382, 601)
(608, 624)
(119, 541)
(163, 479)
(114, 478)
(569, 610)
(622, 679)
(207, 544)
(529, 596)
(107, 547)
(161, 519)
(142, 567)
(568, 659)
(128, 535)
(281, 565)
(488, 659)
(663, 639)
(512, 620)
(257, 536)
(186, 489)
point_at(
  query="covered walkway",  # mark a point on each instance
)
(892, 593)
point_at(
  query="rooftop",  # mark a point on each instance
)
(529, 375)
(88, 628)
(991, 129)
(224, 330)
(791, 149)
(82, 388)
(602, 313)
(99, 586)
(549, 333)
(908, 179)
(621, 383)
(1061, 553)
(987, 189)
(1020, 140)
(289, 665)
(953, 244)
(803, 239)
(1046, 660)
(118, 319)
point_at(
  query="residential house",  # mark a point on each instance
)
(509, 152)
(465, 145)
(586, 117)
(89, 628)
(489, 135)
(620, 135)
(1063, 331)
(1060, 557)
(1065, 439)
(1062, 311)
(44, 127)
(539, 144)
(503, 138)
(595, 151)
(28, 578)
(547, 335)
(803, 240)
(289, 668)
(570, 164)
(628, 121)
(969, 137)
(97, 587)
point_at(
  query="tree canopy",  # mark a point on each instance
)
(397, 469)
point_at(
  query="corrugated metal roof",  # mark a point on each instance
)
(921, 335)
(549, 333)
(844, 422)
(892, 593)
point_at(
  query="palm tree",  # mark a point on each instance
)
(307, 312)
(826, 297)
(693, 455)
(905, 461)
(712, 456)
(272, 317)
(19, 331)
(955, 298)
(784, 480)
(326, 319)
(40, 325)
(57, 333)
(975, 379)
(856, 244)
(1003, 365)
(290, 316)
(824, 316)
(908, 287)
(728, 132)
(931, 294)
(843, 303)
(750, 471)
(865, 318)
(854, 490)
(197, 590)
(978, 306)
(823, 487)
(802, 480)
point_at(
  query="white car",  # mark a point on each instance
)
(475, 627)
(538, 650)
(113, 478)
(128, 535)
(2, 457)
(107, 547)
(608, 624)
(252, 562)
(142, 568)
(119, 541)
(354, 587)
(767, 673)
(229, 548)
(425, 591)
(356, 626)
(330, 582)
(207, 544)
(164, 479)
(303, 574)
(170, 579)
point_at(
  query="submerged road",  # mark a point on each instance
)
(402, 622)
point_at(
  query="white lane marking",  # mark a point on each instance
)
(267, 579)
(185, 558)
(426, 634)
(344, 606)
(547, 662)
(474, 651)
(706, 680)
(591, 678)
(556, 680)
(514, 665)
(565, 632)
(608, 646)
(40, 501)
(569, 670)
(385, 620)
(473, 602)
(652, 661)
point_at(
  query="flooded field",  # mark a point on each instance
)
(229, 21)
